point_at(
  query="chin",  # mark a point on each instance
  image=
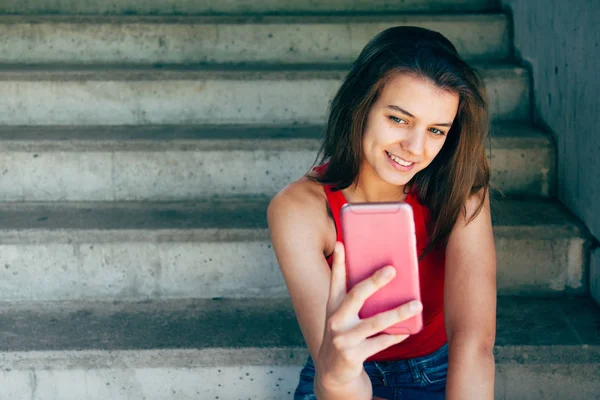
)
(398, 178)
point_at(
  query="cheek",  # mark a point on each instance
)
(434, 148)
(379, 134)
(372, 146)
(370, 138)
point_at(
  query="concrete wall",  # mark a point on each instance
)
(561, 42)
(595, 274)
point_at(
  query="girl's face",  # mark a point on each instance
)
(406, 128)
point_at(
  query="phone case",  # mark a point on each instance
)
(376, 235)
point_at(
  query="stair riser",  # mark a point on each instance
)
(520, 381)
(190, 41)
(189, 175)
(237, 6)
(203, 101)
(523, 171)
(260, 383)
(135, 271)
(515, 382)
(163, 266)
(531, 266)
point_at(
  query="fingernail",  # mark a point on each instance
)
(388, 272)
(415, 306)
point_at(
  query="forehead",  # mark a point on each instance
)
(419, 96)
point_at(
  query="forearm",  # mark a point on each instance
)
(360, 389)
(471, 370)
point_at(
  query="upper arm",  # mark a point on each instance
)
(470, 278)
(297, 224)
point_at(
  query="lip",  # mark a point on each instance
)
(405, 159)
(398, 166)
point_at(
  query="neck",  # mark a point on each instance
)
(369, 188)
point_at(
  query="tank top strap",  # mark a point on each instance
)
(336, 201)
(421, 218)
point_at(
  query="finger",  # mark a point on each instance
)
(374, 345)
(353, 302)
(383, 320)
(337, 289)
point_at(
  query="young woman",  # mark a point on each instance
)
(409, 123)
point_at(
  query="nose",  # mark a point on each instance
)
(414, 143)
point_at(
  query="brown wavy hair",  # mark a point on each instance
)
(460, 168)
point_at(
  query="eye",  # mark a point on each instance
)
(436, 131)
(397, 120)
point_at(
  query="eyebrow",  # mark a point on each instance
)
(402, 110)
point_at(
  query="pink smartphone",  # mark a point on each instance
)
(376, 235)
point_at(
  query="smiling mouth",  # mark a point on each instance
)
(399, 160)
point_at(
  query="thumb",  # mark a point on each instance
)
(337, 289)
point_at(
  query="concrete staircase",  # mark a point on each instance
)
(140, 144)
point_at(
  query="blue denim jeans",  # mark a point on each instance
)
(422, 378)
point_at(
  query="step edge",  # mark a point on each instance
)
(257, 356)
(257, 19)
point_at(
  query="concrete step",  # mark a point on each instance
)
(221, 39)
(253, 349)
(221, 248)
(209, 95)
(243, 7)
(173, 163)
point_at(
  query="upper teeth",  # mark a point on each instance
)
(399, 160)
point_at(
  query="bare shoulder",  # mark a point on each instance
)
(477, 206)
(299, 213)
(301, 202)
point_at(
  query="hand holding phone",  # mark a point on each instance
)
(349, 340)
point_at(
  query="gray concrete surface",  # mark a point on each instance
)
(186, 163)
(247, 324)
(526, 150)
(134, 270)
(144, 96)
(240, 6)
(548, 381)
(220, 248)
(560, 40)
(181, 350)
(189, 40)
(272, 382)
(185, 383)
(595, 274)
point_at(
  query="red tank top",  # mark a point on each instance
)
(431, 276)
